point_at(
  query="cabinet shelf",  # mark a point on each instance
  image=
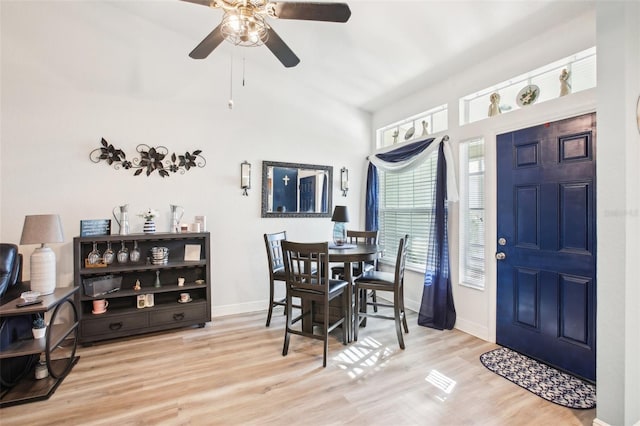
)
(146, 290)
(123, 317)
(136, 267)
(173, 305)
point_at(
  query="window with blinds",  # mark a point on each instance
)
(406, 206)
(472, 234)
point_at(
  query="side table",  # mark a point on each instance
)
(59, 345)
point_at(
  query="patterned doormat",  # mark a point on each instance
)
(540, 379)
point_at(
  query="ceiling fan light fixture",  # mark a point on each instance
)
(242, 27)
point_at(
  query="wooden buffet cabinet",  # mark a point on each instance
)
(123, 316)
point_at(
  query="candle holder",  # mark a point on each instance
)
(344, 181)
(245, 177)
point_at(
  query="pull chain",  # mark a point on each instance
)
(230, 103)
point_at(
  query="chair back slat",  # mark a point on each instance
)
(363, 237)
(401, 261)
(306, 265)
(273, 243)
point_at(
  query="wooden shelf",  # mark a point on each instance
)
(30, 389)
(61, 337)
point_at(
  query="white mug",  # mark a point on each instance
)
(180, 281)
(184, 297)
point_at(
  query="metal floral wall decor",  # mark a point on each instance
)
(151, 159)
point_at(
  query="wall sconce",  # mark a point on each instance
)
(245, 177)
(344, 181)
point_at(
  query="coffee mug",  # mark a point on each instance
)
(100, 305)
(184, 297)
(180, 281)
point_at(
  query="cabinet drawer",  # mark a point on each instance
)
(114, 323)
(181, 313)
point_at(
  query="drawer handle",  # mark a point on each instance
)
(178, 317)
(115, 326)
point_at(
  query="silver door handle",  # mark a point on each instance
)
(501, 256)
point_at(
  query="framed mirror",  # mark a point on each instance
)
(296, 190)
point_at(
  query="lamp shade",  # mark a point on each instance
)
(41, 229)
(340, 214)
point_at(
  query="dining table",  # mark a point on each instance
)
(348, 255)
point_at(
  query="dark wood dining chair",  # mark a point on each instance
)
(307, 271)
(389, 282)
(273, 243)
(361, 237)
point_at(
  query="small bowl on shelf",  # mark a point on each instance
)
(30, 296)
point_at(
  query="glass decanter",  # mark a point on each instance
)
(109, 255)
(94, 255)
(134, 256)
(123, 253)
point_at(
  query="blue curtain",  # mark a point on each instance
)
(437, 309)
(371, 208)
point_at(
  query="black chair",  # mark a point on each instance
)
(273, 243)
(307, 268)
(10, 266)
(390, 282)
(361, 237)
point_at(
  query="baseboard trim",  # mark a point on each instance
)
(473, 328)
(239, 308)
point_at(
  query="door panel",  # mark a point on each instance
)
(308, 194)
(546, 212)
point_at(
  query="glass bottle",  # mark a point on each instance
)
(94, 255)
(134, 256)
(109, 255)
(157, 283)
(123, 253)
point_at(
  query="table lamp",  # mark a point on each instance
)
(42, 229)
(340, 218)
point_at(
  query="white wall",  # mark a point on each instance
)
(618, 369)
(56, 107)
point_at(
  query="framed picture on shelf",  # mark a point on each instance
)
(192, 252)
(95, 227)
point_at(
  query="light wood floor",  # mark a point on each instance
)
(232, 372)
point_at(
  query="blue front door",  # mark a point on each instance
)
(546, 295)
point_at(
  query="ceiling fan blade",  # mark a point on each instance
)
(209, 43)
(281, 50)
(331, 12)
(209, 3)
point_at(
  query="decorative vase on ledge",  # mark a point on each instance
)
(149, 226)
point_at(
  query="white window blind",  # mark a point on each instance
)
(406, 206)
(472, 235)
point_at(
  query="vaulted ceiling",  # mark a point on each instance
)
(386, 49)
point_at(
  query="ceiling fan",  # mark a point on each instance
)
(243, 24)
